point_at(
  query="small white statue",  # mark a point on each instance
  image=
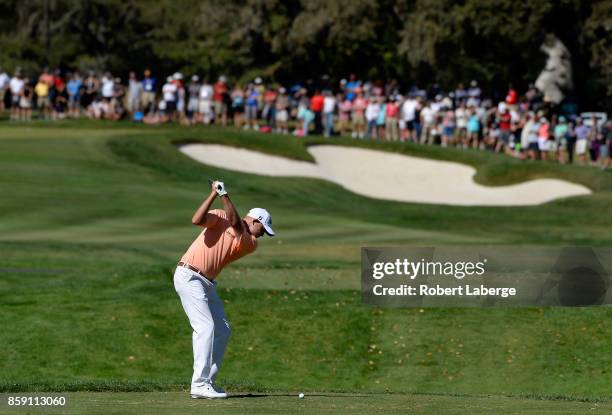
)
(556, 77)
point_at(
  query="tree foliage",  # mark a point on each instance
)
(415, 41)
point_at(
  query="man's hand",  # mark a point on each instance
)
(219, 188)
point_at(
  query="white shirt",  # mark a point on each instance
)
(169, 92)
(372, 111)
(428, 114)
(206, 92)
(329, 103)
(461, 117)
(4, 80)
(108, 87)
(16, 86)
(409, 109)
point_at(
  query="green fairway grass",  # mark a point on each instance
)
(170, 403)
(94, 217)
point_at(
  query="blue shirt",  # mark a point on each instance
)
(73, 86)
(148, 84)
(252, 99)
(582, 132)
(350, 87)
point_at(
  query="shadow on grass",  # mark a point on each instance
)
(265, 395)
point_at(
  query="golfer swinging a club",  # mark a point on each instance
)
(225, 238)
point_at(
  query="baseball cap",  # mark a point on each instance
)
(263, 216)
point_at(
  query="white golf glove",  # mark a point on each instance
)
(220, 188)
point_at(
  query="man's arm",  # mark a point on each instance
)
(232, 215)
(199, 217)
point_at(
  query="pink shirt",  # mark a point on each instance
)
(359, 106)
(392, 110)
(218, 245)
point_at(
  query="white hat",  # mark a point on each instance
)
(263, 216)
(177, 76)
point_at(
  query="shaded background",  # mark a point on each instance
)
(418, 42)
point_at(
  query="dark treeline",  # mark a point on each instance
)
(417, 42)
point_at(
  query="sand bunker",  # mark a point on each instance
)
(388, 176)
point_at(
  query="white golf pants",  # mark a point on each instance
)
(211, 330)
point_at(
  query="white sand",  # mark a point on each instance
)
(388, 176)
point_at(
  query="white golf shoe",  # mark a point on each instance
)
(207, 391)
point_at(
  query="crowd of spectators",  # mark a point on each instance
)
(521, 125)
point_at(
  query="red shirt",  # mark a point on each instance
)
(218, 90)
(58, 81)
(504, 122)
(316, 103)
(392, 110)
(511, 97)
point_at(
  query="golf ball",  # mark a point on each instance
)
(301, 395)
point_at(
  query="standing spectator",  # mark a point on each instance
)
(380, 120)
(25, 102)
(511, 96)
(543, 141)
(474, 94)
(4, 83)
(359, 106)
(316, 106)
(560, 134)
(117, 106)
(594, 140)
(43, 103)
(135, 91)
(181, 97)
(391, 112)
(473, 130)
(504, 122)
(91, 89)
(74, 94)
(220, 90)
(169, 91)
(306, 115)
(428, 121)
(268, 113)
(206, 102)
(149, 85)
(448, 127)
(16, 87)
(60, 101)
(329, 106)
(392, 109)
(570, 137)
(532, 137)
(282, 111)
(260, 89)
(108, 87)
(46, 77)
(527, 124)
(408, 116)
(582, 140)
(193, 92)
(461, 118)
(251, 107)
(461, 95)
(371, 115)
(353, 86)
(345, 107)
(238, 105)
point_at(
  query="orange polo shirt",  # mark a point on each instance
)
(218, 245)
